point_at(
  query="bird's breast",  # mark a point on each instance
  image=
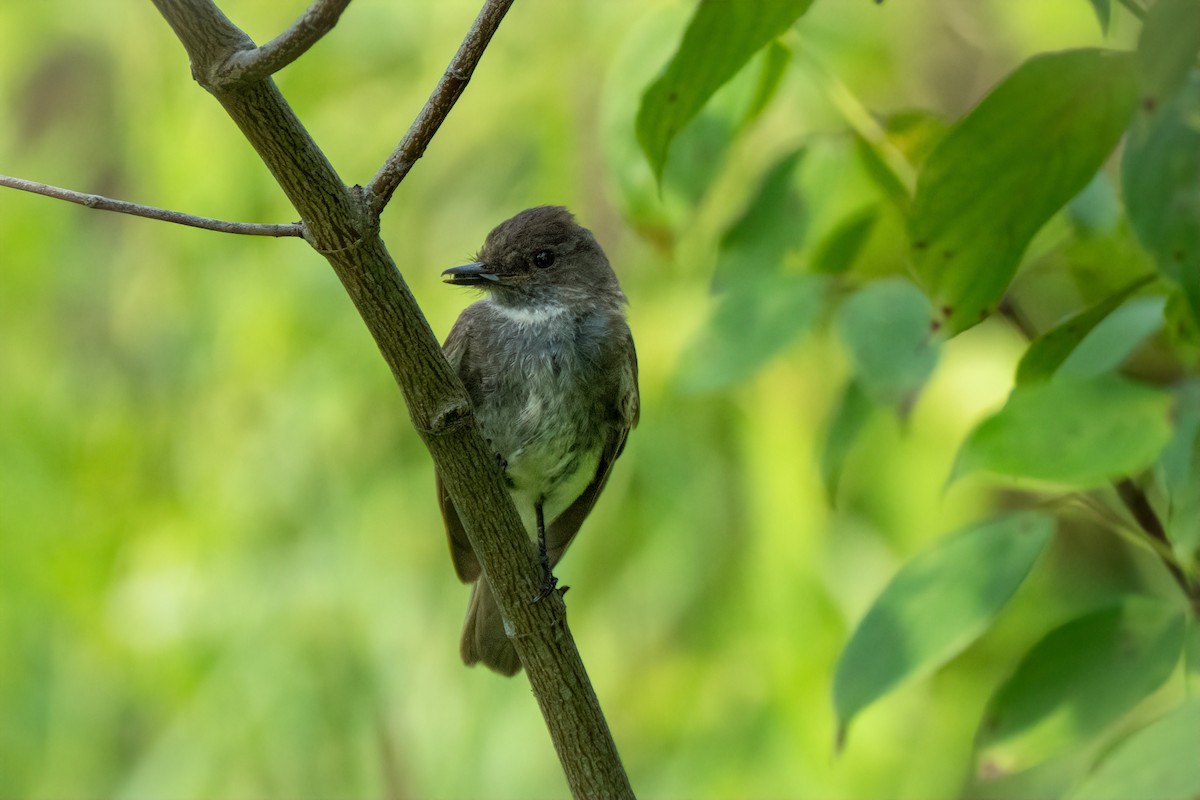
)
(540, 409)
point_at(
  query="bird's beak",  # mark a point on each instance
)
(474, 274)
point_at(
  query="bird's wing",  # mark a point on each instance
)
(457, 352)
(625, 412)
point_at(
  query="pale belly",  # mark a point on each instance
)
(527, 492)
(550, 453)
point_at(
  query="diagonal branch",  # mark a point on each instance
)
(342, 224)
(438, 106)
(247, 66)
(150, 212)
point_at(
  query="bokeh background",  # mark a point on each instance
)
(222, 569)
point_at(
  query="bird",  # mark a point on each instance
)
(550, 367)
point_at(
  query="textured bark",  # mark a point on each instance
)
(342, 225)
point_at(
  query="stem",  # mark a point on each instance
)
(150, 212)
(1143, 513)
(247, 66)
(861, 121)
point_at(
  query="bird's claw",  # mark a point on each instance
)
(549, 582)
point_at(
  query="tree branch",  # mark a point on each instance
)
(1143, 514)
(150, 212)
(342, 225)
(247, 66)
(438, 106)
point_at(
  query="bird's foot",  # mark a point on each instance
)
(549, 582)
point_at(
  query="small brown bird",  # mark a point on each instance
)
(550, 366)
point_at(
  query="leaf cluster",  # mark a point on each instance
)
(1079, 166)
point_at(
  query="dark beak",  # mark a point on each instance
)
(475, 274)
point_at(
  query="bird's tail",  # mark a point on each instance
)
(483, 636)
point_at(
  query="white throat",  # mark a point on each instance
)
(538, 315)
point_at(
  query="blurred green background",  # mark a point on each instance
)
(222, 569)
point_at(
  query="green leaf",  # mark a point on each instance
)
(761, 309)
(698, 157)
(841, 248)
(719, 40)
(1160, 761)
(909, 136)
(1005, 169)
(1097, 209)
(753, 321)
(938, 604)
(1167, 48)
(884, 175)
(1181, 458)
(1183, 328)
(1077, 680)
(1180, 464)
(886, 328)
(1049, 350)
(775, 58)
(1115, 338)
(773, 223)
(1103, 9)
(1191, 654)
(1080, 432)
(1160, 175)
(851, 415)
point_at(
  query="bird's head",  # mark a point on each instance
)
(540, 256)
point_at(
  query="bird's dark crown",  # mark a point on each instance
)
(542, 256)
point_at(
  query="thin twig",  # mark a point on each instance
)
(1009, 311)
(1139, 507)
(861, 121)
(246, 66)
(150, 212)
(438, 106)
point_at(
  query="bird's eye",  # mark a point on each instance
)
(543, 258)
